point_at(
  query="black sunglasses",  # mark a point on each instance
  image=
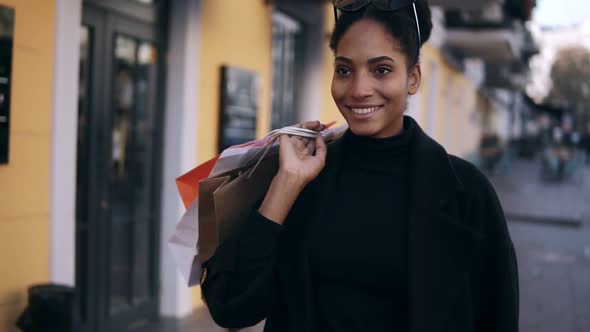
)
(385, 5)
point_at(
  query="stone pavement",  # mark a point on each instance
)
(552, 246)
(524, 196)
(554, 274)
(199, 321)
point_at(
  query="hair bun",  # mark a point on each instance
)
(424, 19)
(401, 24)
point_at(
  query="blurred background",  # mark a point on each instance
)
(103, 103)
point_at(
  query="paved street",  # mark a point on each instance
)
(524, 196)
(550, 227)
(554, 271)
(200, 321)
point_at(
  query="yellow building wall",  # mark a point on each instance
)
(237, 33)
(456, 126)
(467, 130)
(460, 109)
(429, 56)
(24, 182)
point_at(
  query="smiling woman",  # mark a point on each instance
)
(380, 230)
(376, 63)
(371, 84)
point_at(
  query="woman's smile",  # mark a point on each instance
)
(364, 112)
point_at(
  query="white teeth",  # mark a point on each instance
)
(364, 110)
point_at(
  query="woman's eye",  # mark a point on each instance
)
(342, 71)
(383, 70)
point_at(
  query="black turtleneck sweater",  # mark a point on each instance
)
(358, 254)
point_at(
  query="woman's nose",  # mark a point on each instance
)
(361, 87)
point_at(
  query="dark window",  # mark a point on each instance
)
(285, 32)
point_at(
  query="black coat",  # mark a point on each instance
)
(461, 263)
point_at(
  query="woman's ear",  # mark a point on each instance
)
(414, 78)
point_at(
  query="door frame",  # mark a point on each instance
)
(107, 24)
(181, 74)
(64, 132)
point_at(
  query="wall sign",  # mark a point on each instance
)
(239, 106)
(6, 42)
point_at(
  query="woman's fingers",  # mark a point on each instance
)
(299, 142)
(295, 144)
(310, 146)
(297, 155)
(313, 125)
(320, 148)
(305, 146)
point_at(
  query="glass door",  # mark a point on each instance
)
(130, 174)
(118, 172)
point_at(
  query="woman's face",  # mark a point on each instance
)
(371, 80)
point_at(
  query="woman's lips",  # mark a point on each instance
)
(365, 112)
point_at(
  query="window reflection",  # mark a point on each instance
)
(131, 170)
(124, 94)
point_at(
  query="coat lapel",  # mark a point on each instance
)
(439, 244)
(294, 269)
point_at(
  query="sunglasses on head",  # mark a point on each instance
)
(384, 5)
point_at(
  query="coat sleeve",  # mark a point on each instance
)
(497, 306)
(238, 282)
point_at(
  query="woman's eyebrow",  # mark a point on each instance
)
(343, 59)
(379, 59)
(370, 61)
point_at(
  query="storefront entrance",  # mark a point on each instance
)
(119, 164)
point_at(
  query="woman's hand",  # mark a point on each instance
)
(297, 160)
(298, 166)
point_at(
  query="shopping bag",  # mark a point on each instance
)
(220, 205)
(235, 200)
(226, 203)
(223, 205)
(183, 245)
(208, 235)
(240, 157)
(187, 184)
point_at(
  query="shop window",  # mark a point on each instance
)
(285, 33)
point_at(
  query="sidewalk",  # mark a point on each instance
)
(199, 321)
(553, 262)
(525, 197)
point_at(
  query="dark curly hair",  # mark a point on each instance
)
(400, 23)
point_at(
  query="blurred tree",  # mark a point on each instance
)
(570, 75)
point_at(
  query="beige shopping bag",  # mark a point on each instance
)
(207, 221)
(226, 202)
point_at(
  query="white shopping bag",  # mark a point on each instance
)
(248, 154)
(183, 245)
